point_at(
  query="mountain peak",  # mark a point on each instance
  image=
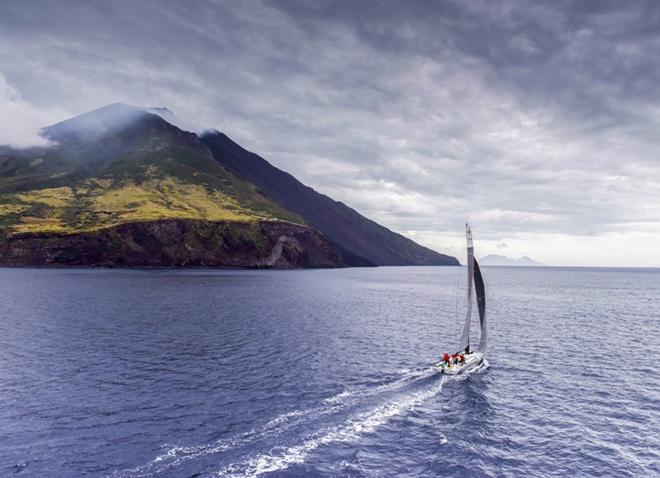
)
(106, 119)
(158, 110)
(102, 120)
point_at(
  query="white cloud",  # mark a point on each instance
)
(20, 121)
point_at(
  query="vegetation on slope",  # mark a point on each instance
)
(97, 204)
(146, 171)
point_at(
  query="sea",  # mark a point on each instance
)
(327, 373)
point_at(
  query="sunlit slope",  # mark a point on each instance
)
(96, 203)
(138, 168)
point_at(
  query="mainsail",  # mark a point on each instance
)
(474, 275)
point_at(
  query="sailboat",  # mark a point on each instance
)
(466, 359)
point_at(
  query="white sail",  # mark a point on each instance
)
(465, 337)
(474, 277)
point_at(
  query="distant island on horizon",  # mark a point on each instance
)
(121, 186)
(498, 260)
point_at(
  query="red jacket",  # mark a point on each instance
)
(446, 358)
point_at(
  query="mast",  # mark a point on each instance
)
(464, 345)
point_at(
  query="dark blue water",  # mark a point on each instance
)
(128, 373)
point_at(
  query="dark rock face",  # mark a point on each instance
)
(358, 237)
(177, 243)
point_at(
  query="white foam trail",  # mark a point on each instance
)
(409, 376)
(175, 455)
(349, 397)
(341, 397)
(350, 430)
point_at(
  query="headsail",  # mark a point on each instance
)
(481, 305)
(474, 275)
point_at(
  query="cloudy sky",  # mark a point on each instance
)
(538, 121)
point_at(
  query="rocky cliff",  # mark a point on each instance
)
(176, 243)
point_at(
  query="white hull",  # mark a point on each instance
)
(472, 361)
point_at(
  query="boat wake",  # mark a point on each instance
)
(350, 430)
(342, 418)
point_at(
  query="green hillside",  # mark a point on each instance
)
(120, 165)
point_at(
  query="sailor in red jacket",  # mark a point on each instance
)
(446, 358)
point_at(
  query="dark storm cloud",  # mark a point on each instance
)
(536, 119)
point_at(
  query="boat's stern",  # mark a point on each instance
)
(471, 361)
